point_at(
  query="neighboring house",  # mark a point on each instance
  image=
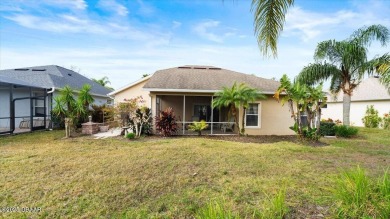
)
(26, 95)
(190, 90)
(369, 92)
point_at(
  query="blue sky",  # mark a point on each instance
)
(126, 39)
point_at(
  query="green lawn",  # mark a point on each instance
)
(175, 177)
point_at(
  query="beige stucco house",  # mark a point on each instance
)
(369, 92)
(190, 90)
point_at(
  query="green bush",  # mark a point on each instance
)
(198, 126)
(371, 118)
(328, 129)
(130, 135)
(358, 196)
(386, 121)
(346, 131)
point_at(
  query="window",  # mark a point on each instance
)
(252, 115)
(39, 104)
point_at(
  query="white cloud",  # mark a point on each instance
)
(76, 4)
(308, 25)
(112, 5)
(203, 30)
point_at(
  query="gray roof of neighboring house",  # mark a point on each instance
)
(53, 76)
(8, 80)
(369, 89)
(192, 77)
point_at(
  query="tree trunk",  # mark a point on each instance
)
(291, 107)
(346, 108)
(318, 122)
(242, 131)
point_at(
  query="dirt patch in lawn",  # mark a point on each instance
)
(263, 139)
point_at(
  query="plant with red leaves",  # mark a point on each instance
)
(166, 122)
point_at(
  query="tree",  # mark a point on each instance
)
(85, 96)
(345, 63)
(269, 17)
(239, 95)
(68, 109)
(104, 81)
(302, 99)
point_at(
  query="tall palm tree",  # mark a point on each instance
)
(85, 96)
(104, 81)
(269, 17)
(239, 95)
(345, 63)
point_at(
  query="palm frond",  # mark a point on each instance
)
(364, 36)
(318, 72)
(269, 17)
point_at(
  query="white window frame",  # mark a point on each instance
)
(35, 106)
(258, 117)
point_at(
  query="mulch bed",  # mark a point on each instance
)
(260, 139)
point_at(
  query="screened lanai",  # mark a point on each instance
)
(23, 107)
(191, 108)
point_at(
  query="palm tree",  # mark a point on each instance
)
(85, 96)
(269, 17)
(345, 63)
(104, 81)
(239, 95)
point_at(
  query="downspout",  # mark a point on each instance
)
(51, 106)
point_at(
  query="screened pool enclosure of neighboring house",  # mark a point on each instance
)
(190, 108)
(23, 108)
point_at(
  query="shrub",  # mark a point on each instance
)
(310, 134)
(346, 131)
(166, 122)
(386, 121)
(102, 113)
(130, 135)
(371, 118)
(327, 129)
(358, 196)
(198, 126)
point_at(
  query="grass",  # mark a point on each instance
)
(180, 177)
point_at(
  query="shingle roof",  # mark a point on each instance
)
(209, 78)
(368, 89)
(8, 80)
(53, 76)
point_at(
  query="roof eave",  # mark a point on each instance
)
(190, 90)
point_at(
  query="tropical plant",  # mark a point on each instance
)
(104, 81)
(239, 95)
(371, 119)
(345, 63)
(166, 122)
(302, 100)
(85, 96)
(141, 120)
(70, 110)
(269, 17)
(198, 126)
(386, 121)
